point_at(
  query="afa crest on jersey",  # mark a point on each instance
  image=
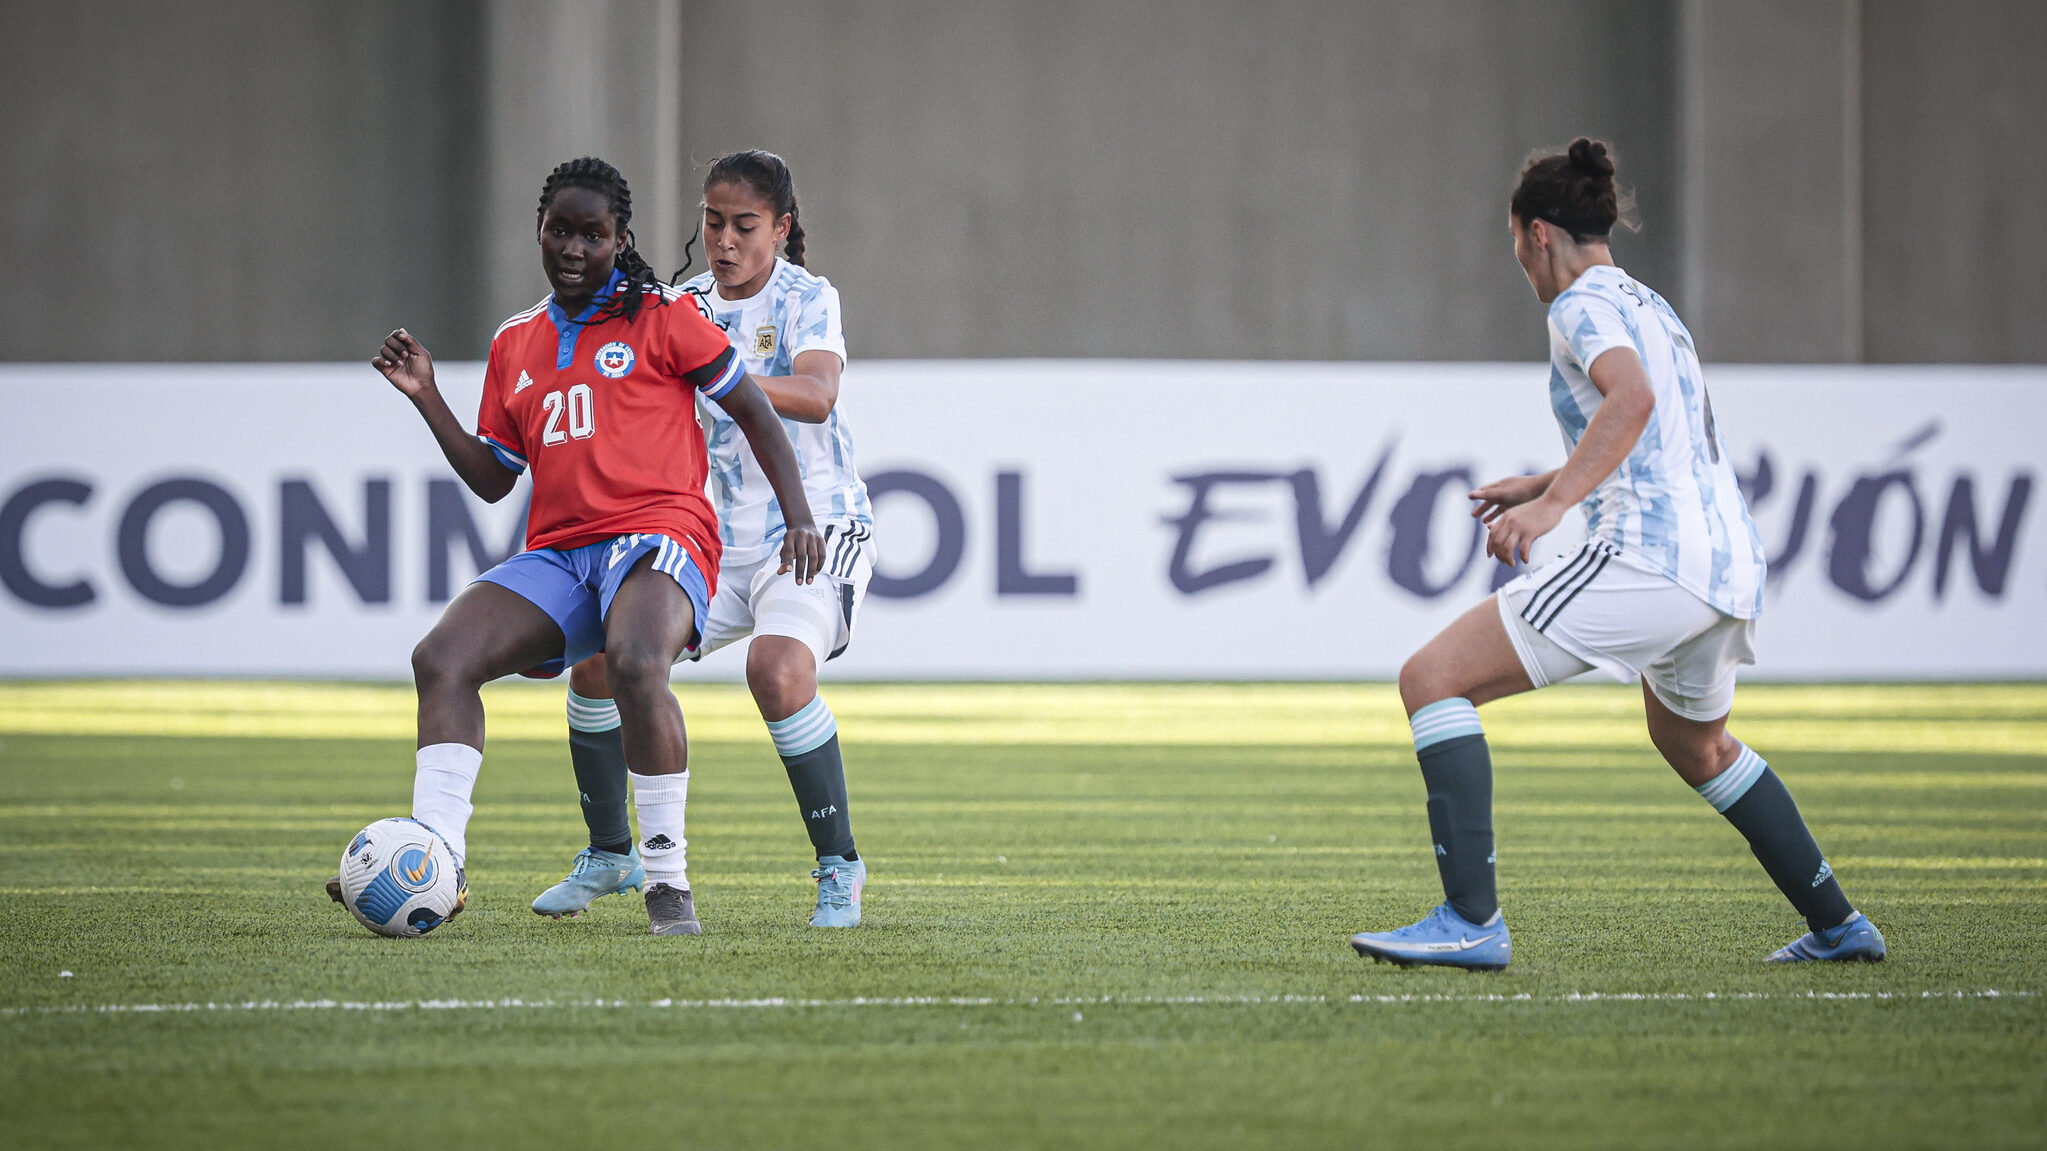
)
(614, 360)
(764, 340)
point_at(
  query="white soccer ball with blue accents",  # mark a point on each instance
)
(399, 879)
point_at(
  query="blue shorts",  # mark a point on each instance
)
(575, 588)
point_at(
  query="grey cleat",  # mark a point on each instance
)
(671, 911)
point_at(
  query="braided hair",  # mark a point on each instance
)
(593, 174)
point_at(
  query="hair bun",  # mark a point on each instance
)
(1589, 157)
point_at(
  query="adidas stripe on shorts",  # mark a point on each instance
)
(753, 599)
(1593, 609)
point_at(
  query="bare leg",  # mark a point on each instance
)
(589, 680)
(782, 675)
(652, 620)
(1697, 751)
(487, 632)
(1472, 658)
(1743, 789)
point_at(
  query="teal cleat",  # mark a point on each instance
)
(839, 884)
(1856, 941)
(1442, 939)
(595, 875)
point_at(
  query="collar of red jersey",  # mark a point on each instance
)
(561, 319)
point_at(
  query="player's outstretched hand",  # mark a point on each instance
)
(406, 363)
(802, 553)
(1498, 496)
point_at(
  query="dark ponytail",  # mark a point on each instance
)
(1574, 190)
(768, 175)
(599, 177)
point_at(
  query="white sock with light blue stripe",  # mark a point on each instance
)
(1444, 719)
(1726, 789)
(586, 714)
(807, 730)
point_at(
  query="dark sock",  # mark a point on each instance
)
(818, 777)
(1759, 806)
(1459, 774)
(808, 743)
(599, 758)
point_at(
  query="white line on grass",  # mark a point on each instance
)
(778, 1002)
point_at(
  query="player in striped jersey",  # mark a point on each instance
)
(621, 544)
(783, 323)
(1666, 589)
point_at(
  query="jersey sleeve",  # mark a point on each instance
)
(495, 425)
(1591, 325)
(700, 353)
(816, 326)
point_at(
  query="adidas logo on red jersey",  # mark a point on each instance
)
(525, 381)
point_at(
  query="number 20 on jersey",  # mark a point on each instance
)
(575, 407)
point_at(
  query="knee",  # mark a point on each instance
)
(435, 663)
(1420, 686)
(635, 672)
(588, 680)
(780, 686)
(1698, 758)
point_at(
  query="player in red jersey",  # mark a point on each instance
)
(594, 390)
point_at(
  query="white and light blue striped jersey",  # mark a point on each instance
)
(794, 312)
(1673, 507)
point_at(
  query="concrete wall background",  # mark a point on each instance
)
(1819, 180)
(237, 180)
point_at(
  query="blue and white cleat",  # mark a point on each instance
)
(595, 875)
(1856, 941)
(839, 884)
(1443, 939)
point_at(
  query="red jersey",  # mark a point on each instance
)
(605, 414)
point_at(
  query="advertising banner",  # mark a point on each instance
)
(1051, 519)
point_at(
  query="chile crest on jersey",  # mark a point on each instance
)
(614, 359)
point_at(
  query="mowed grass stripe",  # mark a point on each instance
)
(2000, 719)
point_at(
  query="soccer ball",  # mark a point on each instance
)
(399, 879)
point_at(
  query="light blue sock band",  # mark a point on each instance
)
(1445, 719)
(807, 730)
(1726, 789)
(591, 714)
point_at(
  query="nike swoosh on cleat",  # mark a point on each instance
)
(1464, 943)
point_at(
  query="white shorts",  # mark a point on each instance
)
(753, 600)
(1593, 610)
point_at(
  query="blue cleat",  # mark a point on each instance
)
(839, 884)
(595, 875)
(1443, 939)
(1856, 941)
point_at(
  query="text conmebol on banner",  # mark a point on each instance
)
(1035, 519)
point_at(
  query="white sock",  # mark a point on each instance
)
(443, 777)
(660, 800)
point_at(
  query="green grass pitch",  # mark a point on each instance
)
(1100, 916)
